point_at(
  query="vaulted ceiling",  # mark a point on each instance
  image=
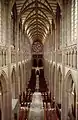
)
(36, 17)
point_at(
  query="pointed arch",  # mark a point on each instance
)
(3, 91)
(4, 81)
(70, 94)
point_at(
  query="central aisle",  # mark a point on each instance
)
(36, 111)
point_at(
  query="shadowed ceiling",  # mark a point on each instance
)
(36, 17)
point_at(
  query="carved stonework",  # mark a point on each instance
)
(37, 47)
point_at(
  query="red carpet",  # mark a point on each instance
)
(48, 114)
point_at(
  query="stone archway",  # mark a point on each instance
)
(70, 101)
(13, 81)
(58, 86)
(3, 96)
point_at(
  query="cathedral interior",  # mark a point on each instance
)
(38, 60)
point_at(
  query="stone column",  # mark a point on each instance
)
(71, 58)
(4, 106)
(0, 58)
(9, 104)
(50, 77)
(7, 94)
(64, 42)
(51, 82)
(68, 58)
(22, 59)
(26, 75)
(17, 58)
(74, 59)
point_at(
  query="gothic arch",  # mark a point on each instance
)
(70, 90)
(3, 89)
(13, 82)
(4, 80)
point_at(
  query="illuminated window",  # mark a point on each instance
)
(74, 20)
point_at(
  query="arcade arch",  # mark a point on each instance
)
(70, 90)
(3, 95)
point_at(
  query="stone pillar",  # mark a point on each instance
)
(51, 82)
(74, 59)
(26, 75)
(7, 95)
(9, 104)
(17, 59)
(5, 106)
(22, 59)
(66, 58)
(50, 77)
(0, 58)
(64, 42)
(24, 78)
(71, 58)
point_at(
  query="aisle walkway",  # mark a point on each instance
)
(36, 103)
(37, 110)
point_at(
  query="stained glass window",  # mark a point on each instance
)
(37, 47)
(74, 20)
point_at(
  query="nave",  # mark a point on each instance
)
(36, 103)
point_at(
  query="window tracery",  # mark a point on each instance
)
(74, 20)
(37, 47)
